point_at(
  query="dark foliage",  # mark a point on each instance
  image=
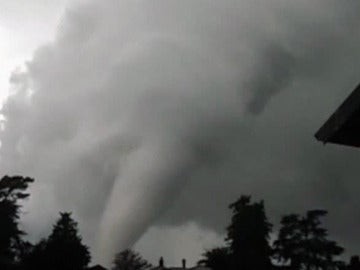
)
(12, 190)
(248, 235)
(247, 239)
(64, 247)
(35, 257)
(63, 250)
(217, 259)
(354, 263)
(303, 243)
(130, 260)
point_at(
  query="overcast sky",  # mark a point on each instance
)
(146, 119)
(25, 25)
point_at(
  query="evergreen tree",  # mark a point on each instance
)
(12, 190)
(248, 235)
(130, 260)
(64, 249)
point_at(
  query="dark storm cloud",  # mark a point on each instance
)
(276, 73)
(139, 112)
(275, 156)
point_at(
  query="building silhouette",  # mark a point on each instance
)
(163, 266)
(343, 126)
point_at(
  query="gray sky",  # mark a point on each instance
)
(147, 119)
(25, 25)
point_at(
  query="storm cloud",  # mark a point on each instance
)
(139, 112)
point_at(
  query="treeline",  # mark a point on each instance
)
(302, 242)
(62, 249)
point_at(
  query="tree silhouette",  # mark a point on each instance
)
(303, 242)
(248, 235)
(217, 259)
(130, 260)
(64, 249)
(288, 246)
(354, 263)
(12, 190)
(35, 257)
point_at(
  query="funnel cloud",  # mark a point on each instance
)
(140, 110)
